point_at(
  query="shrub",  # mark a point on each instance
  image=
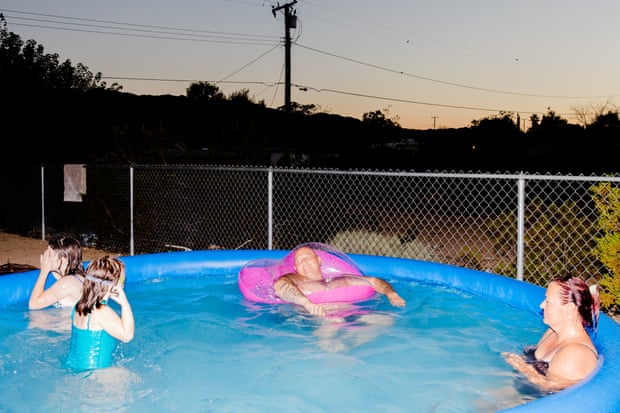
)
(607, 201)
(549, 249)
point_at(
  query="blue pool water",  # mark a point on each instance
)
(200, 347)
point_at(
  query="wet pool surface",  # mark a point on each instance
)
(200, 347)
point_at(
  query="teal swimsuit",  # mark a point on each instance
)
(90, 349)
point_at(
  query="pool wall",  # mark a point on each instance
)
(598, 393)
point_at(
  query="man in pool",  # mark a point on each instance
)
(308, 279)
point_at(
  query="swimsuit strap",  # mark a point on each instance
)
(567, 344)
(589, 347)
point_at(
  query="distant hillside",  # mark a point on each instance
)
(108, 126)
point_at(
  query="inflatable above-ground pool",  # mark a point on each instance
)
(598, 393)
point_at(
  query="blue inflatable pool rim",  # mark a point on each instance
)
(598, 393)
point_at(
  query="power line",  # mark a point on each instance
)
(223, 39)
(400, 72)
(266, 37)
(411, 38)
(335, 91)
(231, 41)
(363, 95)
(236, 40)
(159, 79)
(141, 31)
(247, 64)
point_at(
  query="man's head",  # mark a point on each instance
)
(308, 263)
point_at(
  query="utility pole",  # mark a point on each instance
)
(290, 22)
(434, 120)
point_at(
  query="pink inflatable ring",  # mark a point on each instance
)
(257, 277)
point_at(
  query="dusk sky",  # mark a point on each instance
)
(425, 64)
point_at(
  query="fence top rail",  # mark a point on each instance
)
(461, 175)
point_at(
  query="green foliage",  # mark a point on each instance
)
(502, 230)
(607, 201)
(470, 258)
(558, 240)
(509, 269)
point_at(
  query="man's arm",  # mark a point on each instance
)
(383, 287)
(286, 288)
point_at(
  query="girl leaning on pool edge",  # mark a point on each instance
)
(565, 354)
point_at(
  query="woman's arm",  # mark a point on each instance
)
(550, 382)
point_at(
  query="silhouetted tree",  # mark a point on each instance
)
(606, 122)
(26, 66)
(586, 114)
(534, 120)
(378, 119)
(555, 145)
(204, 91)
(495, 143)
(302, 109)
(603, 146)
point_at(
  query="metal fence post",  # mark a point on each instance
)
(520, 226)
(43, 202)
(270, 208)
(131, 237)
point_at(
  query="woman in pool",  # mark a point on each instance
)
(95, 325)
(308, 279)
(62, 258)
(565, 354)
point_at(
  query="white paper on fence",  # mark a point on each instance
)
(75, 182)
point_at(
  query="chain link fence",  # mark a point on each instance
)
(531, 227)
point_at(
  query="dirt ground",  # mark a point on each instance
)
(19, 251)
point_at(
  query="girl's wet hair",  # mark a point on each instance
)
(70, 249)
(575, 290)
(102, 274)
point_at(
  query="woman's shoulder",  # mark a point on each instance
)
(584, 347)
(575, 355)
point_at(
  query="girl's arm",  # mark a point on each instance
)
(121, 328)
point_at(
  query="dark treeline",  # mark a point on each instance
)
(55, 112)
